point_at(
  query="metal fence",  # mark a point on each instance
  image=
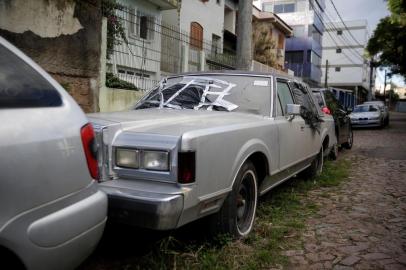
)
(141, 47)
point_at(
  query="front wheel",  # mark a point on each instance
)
(236, 217)
(350, 139)
(334, 152)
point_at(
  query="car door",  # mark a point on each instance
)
(340, 116)
(291, 132)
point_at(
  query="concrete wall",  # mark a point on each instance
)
(118, 99)
(62, 36)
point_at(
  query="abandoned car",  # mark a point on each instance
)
(207, 144)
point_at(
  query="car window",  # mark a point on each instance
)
(319, 99)
(23, 87)
(222, 92)
(284, 94)
(366, 108)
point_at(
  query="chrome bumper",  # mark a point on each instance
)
(366, 123)
(145, 209)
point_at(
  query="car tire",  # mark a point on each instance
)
(236, 216)
(334, 152)
(315, 168)
(350, 140)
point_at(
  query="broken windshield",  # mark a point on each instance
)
(221, 93)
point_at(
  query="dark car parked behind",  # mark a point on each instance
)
(330, 105)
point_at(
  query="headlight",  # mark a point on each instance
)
(156, 160)
(128, 158)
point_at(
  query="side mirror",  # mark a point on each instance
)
(292, 110)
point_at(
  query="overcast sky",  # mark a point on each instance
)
(370, 10)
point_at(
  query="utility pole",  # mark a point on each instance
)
(384, 89)
(244, 35)
(326, 75)
(371, 71)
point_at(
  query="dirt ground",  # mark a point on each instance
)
(362, 223)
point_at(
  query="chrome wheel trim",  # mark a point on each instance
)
(246, 203)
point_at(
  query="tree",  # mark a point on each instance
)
(388, 41)
(263, 44)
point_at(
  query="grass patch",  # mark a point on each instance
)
(280, 220)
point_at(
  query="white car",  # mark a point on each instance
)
(52, 213)
(384, 109)
(367, 115)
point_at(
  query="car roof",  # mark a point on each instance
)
(239, 72)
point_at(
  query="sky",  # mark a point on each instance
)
(370, 10)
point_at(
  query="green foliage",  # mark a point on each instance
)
(389, 39)
(263, 44)
(115, 29)
(114, 82)
(388, 42)
(398, 10)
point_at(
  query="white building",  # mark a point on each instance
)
(138, 60)
(343, 46)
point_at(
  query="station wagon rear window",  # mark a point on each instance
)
(23, 87)
(212, 92)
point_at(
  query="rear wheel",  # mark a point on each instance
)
(236, 217)
(350, 139)
(334, 152)
(316, 167)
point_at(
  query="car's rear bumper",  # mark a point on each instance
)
(154, 210)
(60, 234)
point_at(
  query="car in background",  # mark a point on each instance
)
(384, 109)
(52, 213)
(367, 115)
(207, 145)
(331, 106)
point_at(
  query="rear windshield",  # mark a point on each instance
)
(241, 93)
(366, 108)
(21, 86)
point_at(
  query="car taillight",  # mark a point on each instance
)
(326, 110)
(186, 167)
(89, 145)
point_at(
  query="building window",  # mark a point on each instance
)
(338, 69)
(309, 56)
(196, 35)
(339, 50)
(294, 57)
(215, 44)
(339, 32)
(141, 25)
(284, 8)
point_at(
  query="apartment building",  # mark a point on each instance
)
(343, 46)
(303, 52)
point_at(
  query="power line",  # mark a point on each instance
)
(339, 15)
(346, 42)
(331, 36)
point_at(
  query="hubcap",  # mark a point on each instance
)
(246, 203)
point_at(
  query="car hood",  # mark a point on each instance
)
(169, 121)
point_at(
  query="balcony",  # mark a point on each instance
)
(165, 4)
